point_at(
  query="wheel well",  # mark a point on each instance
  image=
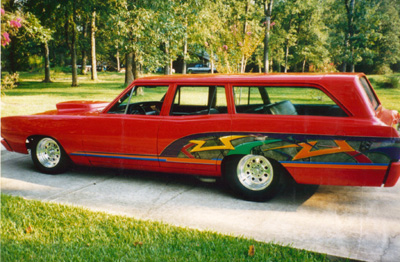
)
(29, 141)
(31, 138)
(226, 161)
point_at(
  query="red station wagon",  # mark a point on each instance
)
(252, 130)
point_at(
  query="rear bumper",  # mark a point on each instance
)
(393, 174)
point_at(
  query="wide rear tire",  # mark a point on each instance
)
(253, 177)
(48, 156)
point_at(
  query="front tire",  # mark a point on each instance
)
(48, 156)
(253, 177)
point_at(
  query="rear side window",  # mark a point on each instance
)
(370, 93)
(285, 100)
(199, 100)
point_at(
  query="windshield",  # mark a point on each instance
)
(139, 99)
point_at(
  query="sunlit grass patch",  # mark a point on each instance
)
(39, 231)
(32, 96)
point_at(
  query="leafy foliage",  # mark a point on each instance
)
(314, 35)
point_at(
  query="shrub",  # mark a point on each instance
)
(9, 81)
(392, 82)
(383, 69)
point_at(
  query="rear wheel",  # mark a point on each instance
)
(253, 177)
(48, 156)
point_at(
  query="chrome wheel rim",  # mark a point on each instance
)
(255, 172)
(48, 152)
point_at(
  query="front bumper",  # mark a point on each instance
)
(6, 145)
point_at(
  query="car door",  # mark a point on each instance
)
(195, 135)
(126, 135)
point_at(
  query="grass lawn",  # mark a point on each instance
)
(38, 231)
(390, 98)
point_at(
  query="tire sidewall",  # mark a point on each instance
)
(61, 166)
(230, 176)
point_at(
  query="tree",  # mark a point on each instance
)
(73, 46)
(349, 4)
(93, 45)
(267, 12)
(42, 35)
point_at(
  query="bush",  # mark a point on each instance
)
(383, 69)
(392, 82)
(9, 81)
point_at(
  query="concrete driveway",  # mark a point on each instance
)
(354, 222)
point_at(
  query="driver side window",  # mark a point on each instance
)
(141, 100)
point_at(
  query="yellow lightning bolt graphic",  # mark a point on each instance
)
(226, 141)
(342, 146)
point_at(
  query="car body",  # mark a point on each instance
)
(250, 129)
(199, 68)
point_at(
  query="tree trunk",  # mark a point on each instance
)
(118, 62)
(267, 12)
(212, 66)
(128, 68)
(93, 46)
(73, 48)
(135, 70)
(47, 78)
(184, 67)
(286, 54)
(84, 53)
(344, 66)
(243, 60)
(350, 32)
(84, 63)
(167, 67)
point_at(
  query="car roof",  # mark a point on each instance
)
(237, 78)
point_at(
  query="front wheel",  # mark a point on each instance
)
(253, 177)
(48, 156)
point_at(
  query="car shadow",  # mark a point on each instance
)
(288, 199)
(177, 186)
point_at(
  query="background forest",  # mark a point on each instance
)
(145, 36)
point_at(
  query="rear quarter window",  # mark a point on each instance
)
(370, 93)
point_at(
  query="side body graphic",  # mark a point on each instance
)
(333, 160)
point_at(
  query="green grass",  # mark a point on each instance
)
(38, 231)
(33, 96)
(390, 98)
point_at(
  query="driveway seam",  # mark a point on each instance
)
(156, 207)
(56, 196)
(389, 243)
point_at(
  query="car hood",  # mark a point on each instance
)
(73, 107)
